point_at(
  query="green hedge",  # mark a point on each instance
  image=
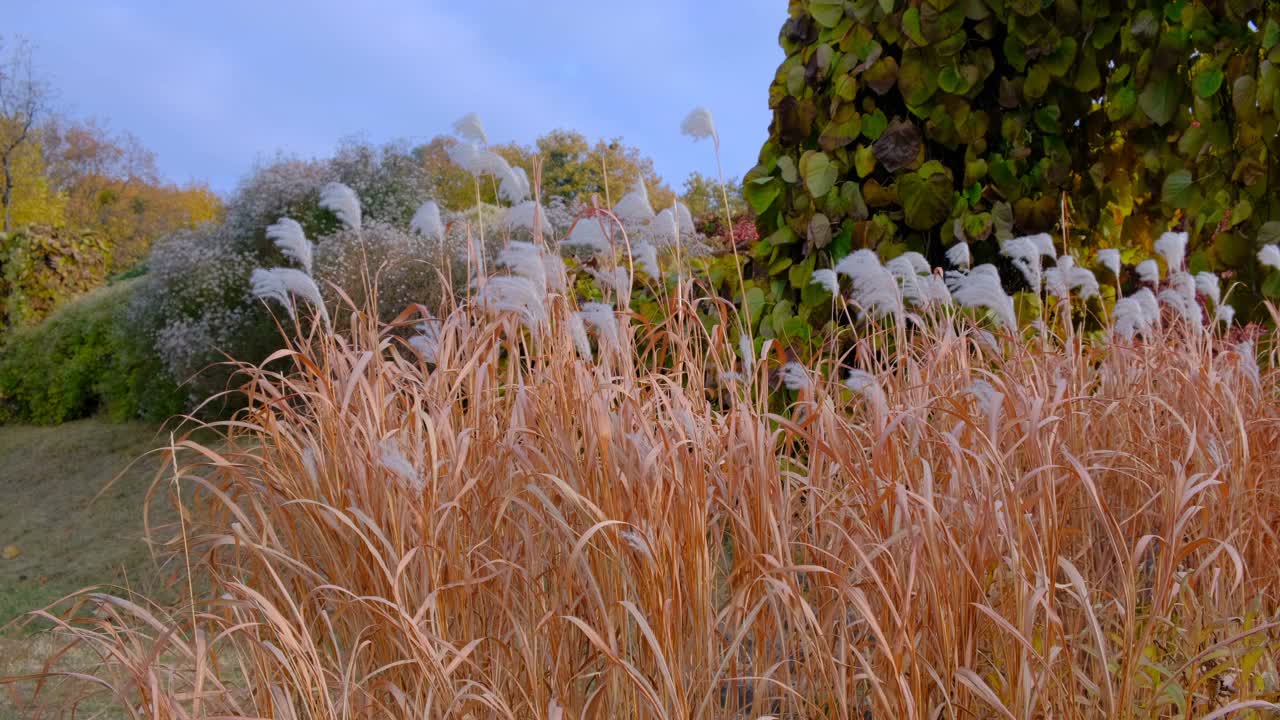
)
(908, 124)
(84, 359)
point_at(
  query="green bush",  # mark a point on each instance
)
(41, 268)
(906, 125)
(85, 358)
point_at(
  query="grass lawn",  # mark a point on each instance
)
(70, 540)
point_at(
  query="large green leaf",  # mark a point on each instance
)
(1160, 98)
(1178, 190)
(761, 193)
(828, 13)
(819, 173)
(926, 201)
(1208, 82)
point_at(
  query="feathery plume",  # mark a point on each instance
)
(827, 279)
(518, 295)
(1043, 242)
(875, 290)
(699, 125)
(989, 399)
(1172, 246)
(1066, 276)
(427, 223)
(1208, 285)
(634, 207)
(589, 233)
(1269, 255)
(427, 342)
(281, 284)
(601, 318)
(557, 280)
(646, 259)
(1110, 259)
(1180, 295)
(616, 278)
(525, 260)
(1025, 253)
(916, 281)
(515, 185)
(794, 377)
(292, 241)
(1225, 314)
(959, 255)
(392, 458)
(865, 384)
(747, 350)
(341, 201)
(578, 331)
(981, 288)
(1149, 272)
(524, 216)
(1135, 315)
(469, 128)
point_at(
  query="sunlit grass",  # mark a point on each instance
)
(517, 531)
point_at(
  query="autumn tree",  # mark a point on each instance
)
(573, 168)
(24, 98)
(702, 194)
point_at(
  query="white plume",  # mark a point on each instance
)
(1149, 272)
(1066, 276)
(478, 162)
(794, 377)
(827, 279)
(292, 241)
(469, 128)
(865, 384)
(1135, 315)
(392, 458)
(524, 216)
(515, 185)
(578, 331)
(634, 207)
(341, 201)
(427, 341)
(699, 125)
(1269, 256)
(426, 221)
(525, 259)
(557, 279)
(989, 399)
(1225, 314)
(616, 278)
(1043, 243)
(1172, 246)
(589, 233)
(959, 255)
(981, 288)
(601, 318)
(1208, 285)
(281, 284)
(509, 294)
(916, 280)
(1025, 254)
(1110, 259)
(1180, 295)
(874, 288)
(646, 259)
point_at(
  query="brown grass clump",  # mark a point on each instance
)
(1039, 530)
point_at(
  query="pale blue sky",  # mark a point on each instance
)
(213, 86)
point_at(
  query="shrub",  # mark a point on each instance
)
(914, 125)
(42, 267)
(85, 358)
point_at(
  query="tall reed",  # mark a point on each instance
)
(1028, 529)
